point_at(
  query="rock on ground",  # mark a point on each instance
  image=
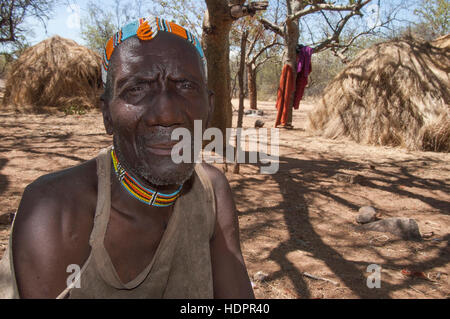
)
(260, 276)
(366, 215)
(6, 219)
(406, 228)
(259, 124)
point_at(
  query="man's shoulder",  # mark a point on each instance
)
(215, 175)
(58, 204)
(222, 190)
(77, 173)
(64, 187)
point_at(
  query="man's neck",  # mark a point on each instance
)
(141, 191)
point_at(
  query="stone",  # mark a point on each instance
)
(259, 124)
(260, 276)
(260, 112)
(6, 219)
(367, 214)
(351, 179)
(405, 228)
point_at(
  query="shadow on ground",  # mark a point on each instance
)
(299, 178)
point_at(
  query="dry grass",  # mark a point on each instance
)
(436, 136)
(55, 74)
(394, 93)
(442, 42)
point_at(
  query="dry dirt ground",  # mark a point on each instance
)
(301, 219)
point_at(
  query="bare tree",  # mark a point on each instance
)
(186, 13)
(257, 55)
(435, 16)
(327, 28)
(100, 22)
(218, 19)
(258, 43)
(14, 12)
(241, 95)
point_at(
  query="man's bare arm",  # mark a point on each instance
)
(44, 242)
(230, 275)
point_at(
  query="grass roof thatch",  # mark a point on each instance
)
(442, 42)
(395, 93)
(54, 74)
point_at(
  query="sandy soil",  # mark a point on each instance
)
(301, 219)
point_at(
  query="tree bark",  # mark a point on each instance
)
(215, 38)
(241, 96)
(251, 82)
(291, 36)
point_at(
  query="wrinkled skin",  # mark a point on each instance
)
(155, 92)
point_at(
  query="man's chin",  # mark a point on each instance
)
(163, 175)
(158, 169)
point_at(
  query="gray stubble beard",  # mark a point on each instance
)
(145, 172)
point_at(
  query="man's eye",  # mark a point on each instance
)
(136, 90)
(186, 85)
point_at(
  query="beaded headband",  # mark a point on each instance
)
(146, 29)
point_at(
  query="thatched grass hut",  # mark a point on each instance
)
(54, 74)
(395, 93)
(442, 42)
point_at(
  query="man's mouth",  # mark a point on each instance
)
(161, 148)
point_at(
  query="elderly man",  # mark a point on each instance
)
(134, 223)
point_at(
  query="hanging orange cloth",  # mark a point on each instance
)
(287, 86)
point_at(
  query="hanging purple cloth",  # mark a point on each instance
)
(303, 70)
(304, 61)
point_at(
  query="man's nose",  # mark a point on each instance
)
(165, 109)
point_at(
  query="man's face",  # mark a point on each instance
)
(157, 86)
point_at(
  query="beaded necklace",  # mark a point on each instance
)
(143, 194)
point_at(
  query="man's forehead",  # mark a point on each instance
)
(149, 29)
(164, 52)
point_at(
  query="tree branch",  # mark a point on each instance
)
(262, 62)
(14, 12)
(271, 26)
(336, 32)
(252, 45)
(274, 43)
(327, 7)
(239, 10)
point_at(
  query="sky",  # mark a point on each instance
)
(65, 22)
(67, 16)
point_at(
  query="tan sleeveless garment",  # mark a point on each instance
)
(180, 268)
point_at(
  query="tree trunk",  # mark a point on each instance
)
(291, 39)
(215, 39)
(216, 28)
(241, 96)
(252, 92)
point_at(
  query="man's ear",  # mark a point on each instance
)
(210, 108)
(104, 107)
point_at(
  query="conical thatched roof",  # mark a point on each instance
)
(442, 42)
(54, 74)
(395, 93)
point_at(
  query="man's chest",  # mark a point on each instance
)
(131, 244)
